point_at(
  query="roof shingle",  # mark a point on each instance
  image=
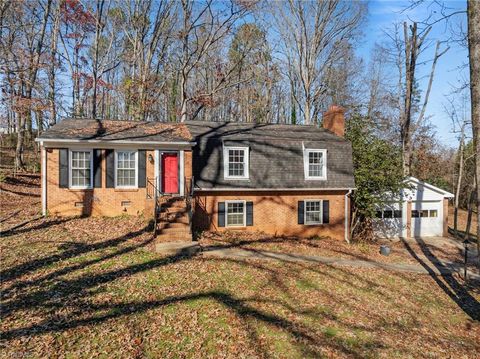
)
(112, 130)
(276, 155)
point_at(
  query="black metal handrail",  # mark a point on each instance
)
(188, 193)
(153, 192)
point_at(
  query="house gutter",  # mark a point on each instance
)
(44, 180)
(272, 189)
(115, 142)
(347, 219)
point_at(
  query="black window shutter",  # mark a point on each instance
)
(63, 168)
(110, 168)
(249, 213)
(97, 168)
(326, 210)
(221, 214)
(142, 174)
(301, 212)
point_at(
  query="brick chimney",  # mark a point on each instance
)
(334, 120)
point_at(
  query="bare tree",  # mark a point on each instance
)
(22, 48)
(202, 28)
(311, 35)
(457, 112)
(414, 42)
(148, 39)
(473, 12)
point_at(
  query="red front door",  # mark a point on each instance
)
(169, 173)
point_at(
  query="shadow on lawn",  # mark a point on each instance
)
(70, 252)
(449, 285)
(17, 229)
(51, 292)
(74, 293)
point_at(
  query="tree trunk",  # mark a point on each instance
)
(183, 96)
(19, 164)
(469, 214)
(459, 179)
(410, 63)
(473, 11)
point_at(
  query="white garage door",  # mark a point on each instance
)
(427, 218)
(388, 221)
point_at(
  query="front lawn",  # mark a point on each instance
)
(92, 287)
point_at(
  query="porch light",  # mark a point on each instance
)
(150, 158)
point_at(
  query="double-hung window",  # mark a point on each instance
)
(315, 163)
(236, 162)
(313, 212)
(126, 169)
(235, 213)
(81, 169)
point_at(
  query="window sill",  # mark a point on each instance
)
(236, 178)
(236, 228)
(126, 189)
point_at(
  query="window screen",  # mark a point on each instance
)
(81, 169)
(315, 164)
(235, 214)
(126, 168)
(313, 212)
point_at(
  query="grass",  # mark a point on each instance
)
(85, 288)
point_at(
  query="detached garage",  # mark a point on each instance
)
(421, 210)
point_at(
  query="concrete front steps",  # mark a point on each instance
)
(173, 222)
(179, 248)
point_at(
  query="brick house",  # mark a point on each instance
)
(276, 178)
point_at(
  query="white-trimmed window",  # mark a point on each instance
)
(81, 163)
(235, 212)
(235, 162)
(314, 212)
(126, 167)
(315, 163)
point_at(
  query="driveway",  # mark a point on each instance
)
(433, 267)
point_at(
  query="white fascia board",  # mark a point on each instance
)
(55, 142)
(272, 189)
(430, 186)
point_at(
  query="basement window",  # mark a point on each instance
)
(235, 213)
(313, 212)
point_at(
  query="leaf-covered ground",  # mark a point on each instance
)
(91, 287)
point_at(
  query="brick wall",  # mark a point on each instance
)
(273, 212)
(96, 201)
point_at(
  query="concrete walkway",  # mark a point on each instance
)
(438, 242)
(441, 268)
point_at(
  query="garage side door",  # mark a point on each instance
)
(427, 218)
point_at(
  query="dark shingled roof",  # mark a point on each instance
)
(276, 151)
(110, 130)
(276, 155)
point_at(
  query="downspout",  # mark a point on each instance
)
(347, 219)
(44, 180)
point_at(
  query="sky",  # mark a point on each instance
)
(382, 14)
